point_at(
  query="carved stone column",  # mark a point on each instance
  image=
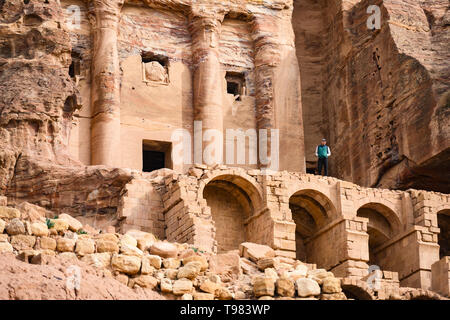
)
(207, 84)
(278, 93)
(105, 89)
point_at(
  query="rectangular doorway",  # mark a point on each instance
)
(156, 155)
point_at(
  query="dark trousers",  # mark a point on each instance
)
(322, 162)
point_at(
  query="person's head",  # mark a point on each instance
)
(324, 142)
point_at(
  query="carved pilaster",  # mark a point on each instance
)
(278, 104)
(208, 80)
(105, 90)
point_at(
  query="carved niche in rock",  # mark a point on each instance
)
(155, 72)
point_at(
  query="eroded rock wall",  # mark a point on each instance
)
(37, 101)
(379, 96)
(37, 96)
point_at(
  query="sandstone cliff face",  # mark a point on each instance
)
(380, 96)
(37, 97)
(37, 100)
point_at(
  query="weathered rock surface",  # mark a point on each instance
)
(9, 213)
(39, 229)
(126, 264)
(37, 102)
(15, 227)
(255, 251)
(285, 287)
(85, 247)
(307, 287)
(65, 245)
(42, 282)
(164, 249)
(264, 286)
(380, 97)
(182, 286)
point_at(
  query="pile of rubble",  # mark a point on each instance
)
(178, 271)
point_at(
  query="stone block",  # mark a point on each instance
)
(84, 247)
(15, 227)
(164, 249)
(47, 243)
(331, 285)
(2, 226)
(166, 285)
(65, 245)
(104, 245)
(143, 281)
(39, 229)
(129, 250)
(182, 286)
(255, 251)
(201, 259)
(126, 264)
(285, 287)
(8, 213)
(22, 242)
(171, 263)
(263, 286)
(190, 270)
(98, 260)
(6, 247)
(74, 224)
(307, 287)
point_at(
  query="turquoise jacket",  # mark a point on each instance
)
(323, 151)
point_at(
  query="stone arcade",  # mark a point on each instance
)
(335, 224)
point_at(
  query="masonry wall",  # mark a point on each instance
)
(261, 229)
(197, 211)
(142, 208)
(228, 216)
(327, 248)
(441, 276)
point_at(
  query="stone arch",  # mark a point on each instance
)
(311, 210)
(383, 225)
(443, 220)
(386, 209)
(356, 289)
(319, 189)
(233, 200)
(240, 179)
(419, 294)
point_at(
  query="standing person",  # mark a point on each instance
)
(323, 152)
